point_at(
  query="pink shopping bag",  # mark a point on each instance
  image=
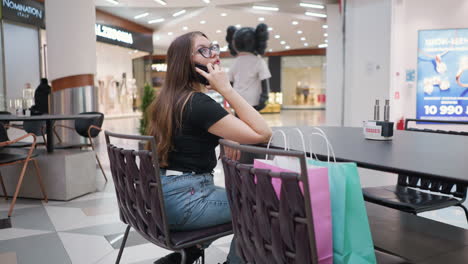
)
(319, 197)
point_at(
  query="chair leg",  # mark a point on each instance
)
(39, 179)
(18, 186)
(97, 158)
(465, 210)
(122, 246)
(3, 187)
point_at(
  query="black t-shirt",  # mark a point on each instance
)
(194, 146)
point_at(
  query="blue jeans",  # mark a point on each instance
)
(192, 201)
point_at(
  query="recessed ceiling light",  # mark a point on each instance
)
(325, 26)
(261, 19)
(277, 36)
(214, 42)
(326, 41)
(170, 33)
(309, 5)
(203, 22)
(161, 2)
(306, 44)
(323, 45)
(325, 35)
(224, 48)
(287, 47)
(238, 26)
(159, 20)
(303, 39)
(294, 22)
(267, 8)
(283, 42)
(270, 50)
(185, 28)
(218, 31)
(181, 12)
(141, 15)
(270, 29)
(315, 14)
(115, 2)
(206, 1)
(223, 14)
(299, 32)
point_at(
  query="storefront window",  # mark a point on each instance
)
(303, 81)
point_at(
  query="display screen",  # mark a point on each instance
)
(442, 88)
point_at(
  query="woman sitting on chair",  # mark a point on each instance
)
(187, 125)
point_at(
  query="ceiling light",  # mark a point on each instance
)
(325, 35)
(214, 42)
(179, 13)
(283, 42)
(218, 31)
(303, 39)
(115, 2)
(223, 14)
(270, 50)
(238, 26)
(326, 41)
(306, 44)
(159, 20)
(287, 47)
(203, 22)
(185, 28)
(170, 33)
(223, 48)
(267, 8)
(261, 19)
(315, 14)
(325, 26)
(270, 29)
(295, 23)
(161, 2)
(206, 1)
(323, 45)
(140, 15)
(309, 5)
(299, 32)
(277, 36)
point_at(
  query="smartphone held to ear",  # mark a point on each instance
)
(202, 79)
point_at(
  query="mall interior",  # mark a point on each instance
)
(369, 98)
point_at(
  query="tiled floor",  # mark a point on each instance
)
(88, 230)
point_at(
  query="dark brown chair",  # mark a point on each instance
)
(269, 230)
(411, 193)
(141, 202)
(10, 156)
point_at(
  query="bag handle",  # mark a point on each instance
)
(329, 145)
(271, 139)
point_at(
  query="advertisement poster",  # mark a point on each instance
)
(442, 92)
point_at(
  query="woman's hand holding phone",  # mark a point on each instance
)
(217, 78)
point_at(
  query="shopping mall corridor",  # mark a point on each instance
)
(88, 229)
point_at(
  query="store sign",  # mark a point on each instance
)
(24, 11)
(122, 37)
(442, 87)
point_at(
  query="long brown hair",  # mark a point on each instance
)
(165, 113)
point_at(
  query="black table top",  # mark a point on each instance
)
(423, 154)
(415, 238)
(46, 117)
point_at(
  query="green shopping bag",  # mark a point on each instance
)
(352, 239)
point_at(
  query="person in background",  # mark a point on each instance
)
(249, 73)
(187, 125)
(41, 98)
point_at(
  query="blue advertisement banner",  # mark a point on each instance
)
(442, 87)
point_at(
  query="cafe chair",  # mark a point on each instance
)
(10, 156)
(268, 229)
(88, 128)
(140, 198)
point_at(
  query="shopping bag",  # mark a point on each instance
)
(352, 239)
(319, 197)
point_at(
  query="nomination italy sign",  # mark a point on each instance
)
(24, 11)
(122, 37)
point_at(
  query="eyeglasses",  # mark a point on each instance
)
(208, 52)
